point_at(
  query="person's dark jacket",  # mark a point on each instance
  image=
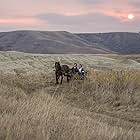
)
(74, 70)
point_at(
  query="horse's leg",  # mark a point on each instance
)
(61, 79)
(57, 77)
(68, 78)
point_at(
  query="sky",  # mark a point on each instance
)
(70, 15)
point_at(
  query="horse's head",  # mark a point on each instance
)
(57, 66)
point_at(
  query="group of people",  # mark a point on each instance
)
(64, 70)
(78, 69)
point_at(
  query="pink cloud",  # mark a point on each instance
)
(19, 13)
(21, 22)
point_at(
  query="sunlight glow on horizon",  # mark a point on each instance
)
(130, 16)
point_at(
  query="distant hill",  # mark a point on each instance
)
(46, 42)
(66, 42)
(119, 42)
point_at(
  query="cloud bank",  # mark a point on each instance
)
(73, 16)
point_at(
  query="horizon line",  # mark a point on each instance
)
(19, 30)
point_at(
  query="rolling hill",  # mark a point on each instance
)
(46, 42)
(119, 42)
(59, 42)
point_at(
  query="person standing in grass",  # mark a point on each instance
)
(81, 71)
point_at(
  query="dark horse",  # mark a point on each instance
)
(61, 71)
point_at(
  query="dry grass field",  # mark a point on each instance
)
(105, 106)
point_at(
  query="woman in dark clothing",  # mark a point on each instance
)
(74, 69)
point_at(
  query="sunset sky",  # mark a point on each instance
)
(70, 15)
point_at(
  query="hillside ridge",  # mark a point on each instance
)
(60, 42)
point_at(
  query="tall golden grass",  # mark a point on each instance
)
(105, 106)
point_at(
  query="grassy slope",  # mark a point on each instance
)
(105, 106)
(119, 42)
(46, 42)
